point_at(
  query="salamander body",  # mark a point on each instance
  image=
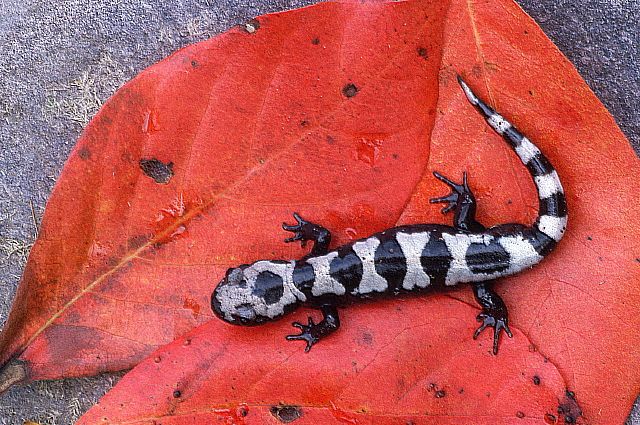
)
(405, 259)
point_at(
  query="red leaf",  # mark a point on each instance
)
(399, 362)
(338, 111)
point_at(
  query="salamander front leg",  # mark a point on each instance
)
(494, 313)
(306, 231)
(312, 332)
(461, 198)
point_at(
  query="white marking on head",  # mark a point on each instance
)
(324, 283)
(554, 227)
(234, 295)
(527, 150)
(499, 124)
(412, 245)
(548, 185)
(371, 280)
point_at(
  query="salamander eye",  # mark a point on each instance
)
(236, 277)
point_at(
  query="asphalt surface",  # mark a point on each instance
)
(60, 60)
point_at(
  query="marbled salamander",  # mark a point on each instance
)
(413, 258)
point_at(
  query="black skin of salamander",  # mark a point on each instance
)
(462, 201)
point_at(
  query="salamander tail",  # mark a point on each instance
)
(552, 211)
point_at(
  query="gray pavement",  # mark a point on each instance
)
(60, 60)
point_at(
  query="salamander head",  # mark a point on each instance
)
(253, 294)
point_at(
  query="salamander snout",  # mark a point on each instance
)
(232, 299)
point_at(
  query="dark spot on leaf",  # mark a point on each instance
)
(315, 41)
(350, 90)
(330, 140)
(286, 414)
(520, 414)
(461, 390)
(84, 153)
(157, 360)
(395, 156)
(367, 338)
(437, 393)
(157, 170)
(589, 238)
(569, 407)
(423, 53)
(536, 380)
(195, 64)
(637, 260)
(243, 411)
(549, 418)
(252, 26)
(304, 123)
(531, 92)
(177, 394)
(135, 242)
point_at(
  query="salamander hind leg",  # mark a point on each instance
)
(313, 332)
(306, 231)
(462, 201)
(494, 313)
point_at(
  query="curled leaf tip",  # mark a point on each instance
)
(13, 372)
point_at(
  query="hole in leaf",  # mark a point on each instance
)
(286, 414)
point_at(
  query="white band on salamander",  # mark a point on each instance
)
(499, 124)
(548, 185)
(527, 150)
(553, 227)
